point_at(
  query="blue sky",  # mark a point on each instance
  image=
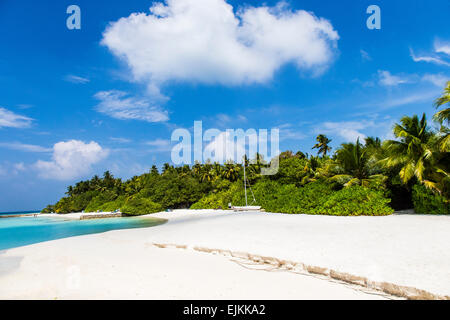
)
(75, 103)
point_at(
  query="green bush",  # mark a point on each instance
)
(276, 197)
(355, 201)
(427, 202)
(113, 205)
(49, 209)
(140, 206)
(219, 200)
(99, 201)
(174, 192)
(313, 198)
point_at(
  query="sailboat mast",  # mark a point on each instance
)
(245, 184)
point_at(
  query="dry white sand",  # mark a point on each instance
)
(112, 266)
(409, 250)
(405, 249)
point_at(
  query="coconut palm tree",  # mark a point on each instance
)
(154, 171)
(167, 168)
(323, 145)
(208, 175)
(443, 115)
(69, 191)
(218, 169)
(355, 166)
(134, 185)
(197, 169)
(412, 153)
(231, 172)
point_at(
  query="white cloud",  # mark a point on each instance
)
(425, 96)
(76, 79)
(24, 147)
(120, 140)
(11, 169)
(223, 120)
(10, 119)
(350, 131)
(25, 106)
(388, 79)
(438, 80)
(159, 145)
(116, 104)
(19, 166)
(430, 59)
(288, 132)
(442, 47)
(70, 160)
(205, 41)
(365, 55)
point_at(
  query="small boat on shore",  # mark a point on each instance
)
(247, 208)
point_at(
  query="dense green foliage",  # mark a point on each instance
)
(425, 201)
(313, 198)
(367, 177)
(140, 206)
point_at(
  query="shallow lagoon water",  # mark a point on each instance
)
(18, 232)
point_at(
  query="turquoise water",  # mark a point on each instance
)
(18, 232)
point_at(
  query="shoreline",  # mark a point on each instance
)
(373, 248)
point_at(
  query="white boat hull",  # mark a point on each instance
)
(248, 208)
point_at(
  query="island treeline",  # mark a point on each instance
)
(370, 177)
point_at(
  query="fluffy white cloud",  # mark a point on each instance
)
(388, 79)
(71, 159)
(116, 104)
(204, 41)
(12, 120)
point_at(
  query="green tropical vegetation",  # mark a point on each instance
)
(370, 177)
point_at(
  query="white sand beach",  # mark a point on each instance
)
(406, 250)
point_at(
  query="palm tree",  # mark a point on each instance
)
(167, 168)
(197, 169)
(355, 166)
(69, 191)
(134, 185)
(231, 172)
(372, 142)
(95, 182)
(154, 171)
(443, 115)
(208, 176)
(323, 144)
(413, 152)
